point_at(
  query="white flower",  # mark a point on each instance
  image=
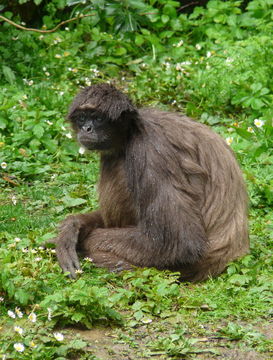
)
(32, 344)
(30, 82)
(79, 271)
(13, 200)
(81, 150)
(259, 123)
(66, 28)
(198, 46)
(58, 336)
(19, 347)
(32, 317)
(146, 321)
(88, 259)
(41, 37)
(49, 310)
(37, 259)
(33, 251)
(250, 129)
(24, 250)
(61, 94)
(44, 68)
(4, 165)
(18, 329)
(24, 97)
(208, 54)
(11, 314)
(18, 312)
(58, 56)
(179, 67)
(17, 239)
(229, 140)
(1, 299)
(181, 42)
(47, 73)
(68, 135)
(229, 60)
(53, 251)
(49, 122)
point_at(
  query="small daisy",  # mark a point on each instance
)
(68, 135)
(1, 299)
(32, 344)
(19, 347)
(17, 239)
(250, 129)
(32, 317)
(198, 47)
(18, 329)
(259, 123)
(79, 271)
(49, 314)
(14, 200)
(11, 314)
(181, 42)
(18, 313)
(4, 165)
(208, 54)
(58, 336)
(88, 259)
(81, 150)
(229, 140)
(146, 320)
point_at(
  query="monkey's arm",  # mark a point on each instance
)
(73, 230)
(169, 234)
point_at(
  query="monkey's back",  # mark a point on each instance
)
(198, 161)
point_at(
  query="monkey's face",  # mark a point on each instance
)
(94, 130)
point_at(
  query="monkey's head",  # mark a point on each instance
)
(101, 115)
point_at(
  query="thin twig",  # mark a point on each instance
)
(188, 5)
(44, 31)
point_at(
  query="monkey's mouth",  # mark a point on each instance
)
(93, 145)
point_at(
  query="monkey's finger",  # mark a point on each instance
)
(73, 256)
(65, 262)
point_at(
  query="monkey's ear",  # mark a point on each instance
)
(104, 98)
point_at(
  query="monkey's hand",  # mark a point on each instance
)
(66, 243)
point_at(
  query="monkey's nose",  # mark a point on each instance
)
(88, 128)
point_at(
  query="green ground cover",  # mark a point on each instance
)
(215, 65)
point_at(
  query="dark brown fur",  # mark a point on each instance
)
(171, 195)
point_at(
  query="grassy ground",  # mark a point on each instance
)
(227, 317)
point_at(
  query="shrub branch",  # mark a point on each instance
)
(44, 31)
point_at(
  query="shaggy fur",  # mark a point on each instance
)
(171, 195)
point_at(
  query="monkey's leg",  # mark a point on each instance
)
(73, 231)
(120, 249)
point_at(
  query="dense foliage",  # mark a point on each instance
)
(215, 64)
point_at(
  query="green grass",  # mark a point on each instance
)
(159, 320)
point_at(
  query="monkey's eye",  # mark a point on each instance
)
(81, 120)
(98, 120)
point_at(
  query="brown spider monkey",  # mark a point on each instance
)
(171, 193)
